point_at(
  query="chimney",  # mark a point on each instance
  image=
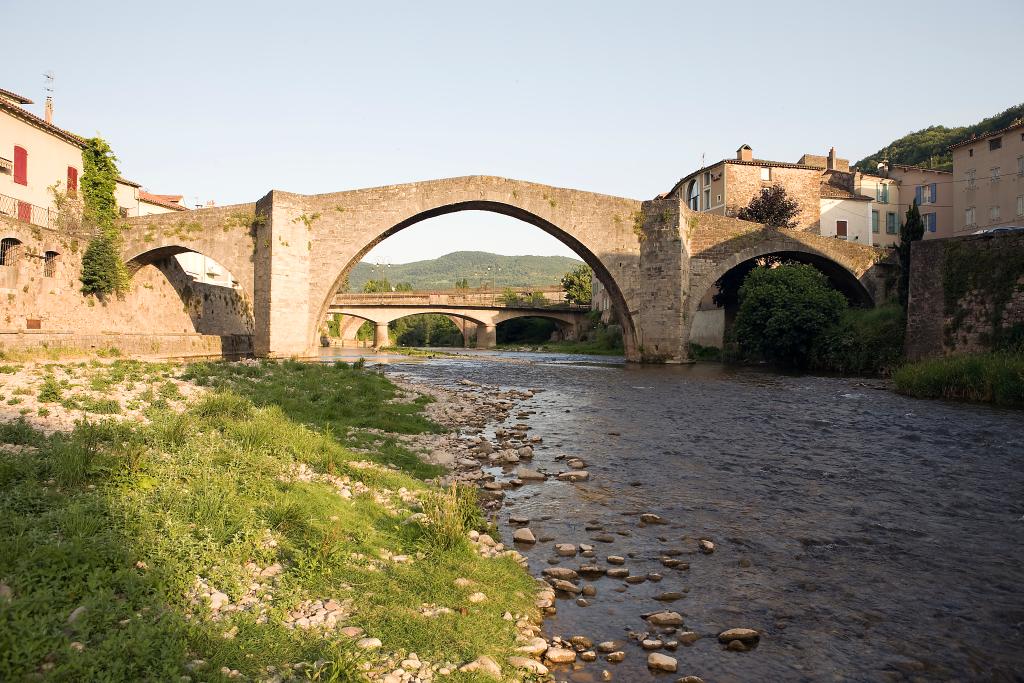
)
(745, 153)
(48, 110)
(883, 168)
(831, 165)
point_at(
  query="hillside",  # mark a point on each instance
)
(930, 147)
(442, 272)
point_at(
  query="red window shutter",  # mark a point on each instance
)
(72, 181)
(20, 165)
(25, 212)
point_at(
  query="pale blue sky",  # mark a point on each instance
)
(226, 100)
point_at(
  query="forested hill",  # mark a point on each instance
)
(930, 147)
(443, 272)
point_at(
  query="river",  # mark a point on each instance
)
(868, 536)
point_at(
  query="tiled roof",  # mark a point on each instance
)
(125, 181)
(31, 119)
(832, 192)
(168, 201)
(1019, 123)
(21, 99)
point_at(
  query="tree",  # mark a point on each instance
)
(912, 230)
(576, 284)
(376, 286)
(103, 271)
(462, 284)
(403, 287)
(773, 207)
(783, 310)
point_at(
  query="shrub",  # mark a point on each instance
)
(50, 392)
(782, 310)
(862, 342)
(451, 514)
(988, 377)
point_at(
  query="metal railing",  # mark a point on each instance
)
(29, 213)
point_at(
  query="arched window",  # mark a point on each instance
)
(50, 263)
(9, 251)
(693, 195)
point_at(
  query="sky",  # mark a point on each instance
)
(228, 100)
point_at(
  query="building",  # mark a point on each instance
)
(988, 180)
(728, 185)
(38, 158)
(933, 191)
(846, 211)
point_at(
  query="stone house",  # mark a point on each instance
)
(988, 180)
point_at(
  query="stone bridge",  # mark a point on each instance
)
(483, 311)
(290, 253)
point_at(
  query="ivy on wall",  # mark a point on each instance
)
(993, 273)
(103, 272)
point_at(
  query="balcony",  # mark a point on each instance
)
(29, 213)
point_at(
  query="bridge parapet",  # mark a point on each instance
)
(536, 298)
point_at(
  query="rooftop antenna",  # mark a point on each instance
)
(48, 105)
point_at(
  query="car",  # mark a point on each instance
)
(1002, 229)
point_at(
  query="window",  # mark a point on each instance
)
(9, 251)
(20, 165)
(993, 213)
(882, 193)
(50, 263)
(693, 196)
(707, 178)
(994, 144)
(1020, 165)
(890, 223)
(841, 229)
(969, 217)
(72, 181)
(707, 197)
(971, 177)
(1020, 205)
(995, 174)
(766, 173)
(874, 222)
(970, 152)
(929, 222)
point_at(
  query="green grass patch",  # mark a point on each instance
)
(114, 521)
(996, 378)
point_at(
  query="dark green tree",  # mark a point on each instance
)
(576, 284)
(403, 287)
(103, 271)
(911, 231)
(462, 283)
(782, 311)
(773, 207)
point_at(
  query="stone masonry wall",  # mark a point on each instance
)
(164, 312)
(966, 295)
(743, 183)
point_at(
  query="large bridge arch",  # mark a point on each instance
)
(340, 228)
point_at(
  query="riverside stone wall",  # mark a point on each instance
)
(164, 311)
(966, 295)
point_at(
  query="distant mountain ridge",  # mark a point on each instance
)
(929, 147)
(481, 268)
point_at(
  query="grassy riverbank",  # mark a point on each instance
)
(996, 378)
(593, 348)
(187, 543)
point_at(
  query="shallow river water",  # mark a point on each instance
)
(868, 536)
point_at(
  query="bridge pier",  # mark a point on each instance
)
(486, 336)
(380, 335)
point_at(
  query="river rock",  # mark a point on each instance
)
(518, 519)
(616, 559)
(524, 535)
(368, 643)
(560, 655)
(591, 571)
(635, 579)
(651, 518)
(690, 679)
(736, 646)
(688, 637)
(563, 573)
(526, 452)
(670, 596)
(666, 618)
(529, 665)
(575, 463)
(607, 646)
(746, 635)
(565, 549)
(535, 647)
(581, 642)
(527, 474)
(604, 538)
(565, 586)
(618, 572)
(659, 662)
(588, 656)
(477, 597)
(575, 475)
(651, 644)
(706, 546)
(616, 657)
(589, 590)
(484, 665)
